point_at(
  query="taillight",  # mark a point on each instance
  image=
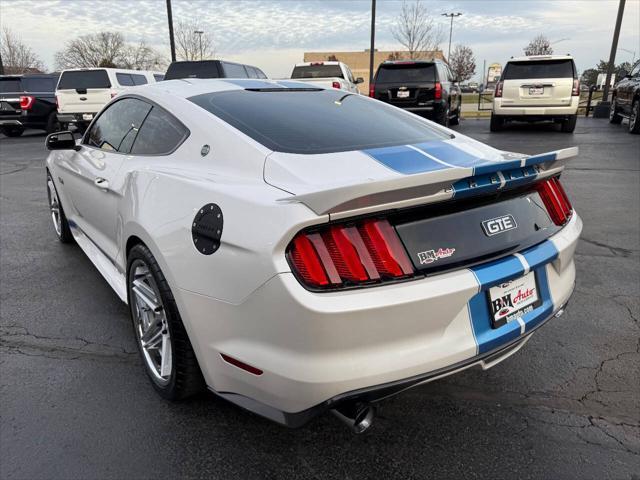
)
(113, 94)
(338, 256)
(336, 85)
(575, 91)
(57, 103)
(438, 91)
(26, 102)
(372, 90)
(555, 200)
(498, 92)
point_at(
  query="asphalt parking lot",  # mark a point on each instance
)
(75, 401)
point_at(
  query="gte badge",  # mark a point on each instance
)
(499, 225)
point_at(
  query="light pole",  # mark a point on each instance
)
(451, 15)
(171, 39)
(373, 42)
(602, 109)
(199, 33)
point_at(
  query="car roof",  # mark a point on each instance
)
(409, 62)
(189, 87)
(108, 69)
(535, 58)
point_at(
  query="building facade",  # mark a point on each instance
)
(358, 62)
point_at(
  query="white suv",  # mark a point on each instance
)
(81, 93)
(541, 87)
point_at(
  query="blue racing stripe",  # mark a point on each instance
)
(405, 160)
(476, 185)
(251, 83)
(535, 159)
(503, 270)
(450, 154)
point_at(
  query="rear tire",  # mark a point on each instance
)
(12, 131)
(496, 123)
(569, 125)
(634, 118)
(52, 123)
(443, 119)
(164, 345)
(614, 116)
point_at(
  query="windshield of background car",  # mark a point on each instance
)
(406, 73)
(8, 85)
(316, 121)
(83, 79)
(192, 70)
(538, 69)
(317, 71)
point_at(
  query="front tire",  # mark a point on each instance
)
(569, 125)
(496, 123)
(60, 223)
(634, 118)
(164, 345)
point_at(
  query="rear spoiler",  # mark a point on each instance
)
(430, 187)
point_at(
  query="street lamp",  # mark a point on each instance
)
(199, 33)
(450, 29)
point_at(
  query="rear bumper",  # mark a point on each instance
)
(6, 122)
(76, 117)
(502, 108)
(319, 349)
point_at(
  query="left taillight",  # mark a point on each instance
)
(335, 85)
(340, 256)
(26, 102)
(438, 91)
(555, 200)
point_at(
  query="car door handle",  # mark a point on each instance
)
(101, 183)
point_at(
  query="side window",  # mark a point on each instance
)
(251, 71)
(116, 128)
(160, 134)
(260, 73)
(233, 70)
(158, 77)
(138, 79)
(349, 74)
(124, 79)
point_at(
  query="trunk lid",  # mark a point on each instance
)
(538, 83)
(83, 91)
(406, 84)
(10, 91)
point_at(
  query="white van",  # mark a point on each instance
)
(82, 92)
(541, 87)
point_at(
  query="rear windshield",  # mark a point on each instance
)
(192, 70)
(79, 79)
(9, 85)
(317, 71)
(399, 73)
(539, 69)
(39, 84)
(316, 121)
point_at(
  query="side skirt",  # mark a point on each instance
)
(105, 266)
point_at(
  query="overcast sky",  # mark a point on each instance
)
(273, 34)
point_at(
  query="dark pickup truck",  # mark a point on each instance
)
(426, 88)
(626, 100)
(27, 101)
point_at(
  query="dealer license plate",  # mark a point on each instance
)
(511, 300)
(403, 93)
(87, 116)
(536, 90)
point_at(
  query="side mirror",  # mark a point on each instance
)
(61, 141)
(359, 80)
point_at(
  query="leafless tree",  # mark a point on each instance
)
(462, 62)
(17, 57)
(107, 49)
(416, 29)
(101, 49)
(191, 45)
(540, 45)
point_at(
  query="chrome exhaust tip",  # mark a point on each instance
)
(357, 416)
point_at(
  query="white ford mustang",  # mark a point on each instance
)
(298, 250)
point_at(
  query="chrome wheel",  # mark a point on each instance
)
(54, 206)
(635, 113)
(150, 322)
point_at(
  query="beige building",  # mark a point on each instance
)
(358, 62)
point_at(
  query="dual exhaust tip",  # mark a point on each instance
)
(356, 415)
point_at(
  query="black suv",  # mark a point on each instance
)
(211, 69)
(424, 87)
(27, 101)
(626, 100)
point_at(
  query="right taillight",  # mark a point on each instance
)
(335, 85)
(339, 256)
(438, 91)
(555, 200)
(372, 90)
(498, 92)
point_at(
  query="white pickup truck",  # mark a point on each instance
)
(327, 74)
